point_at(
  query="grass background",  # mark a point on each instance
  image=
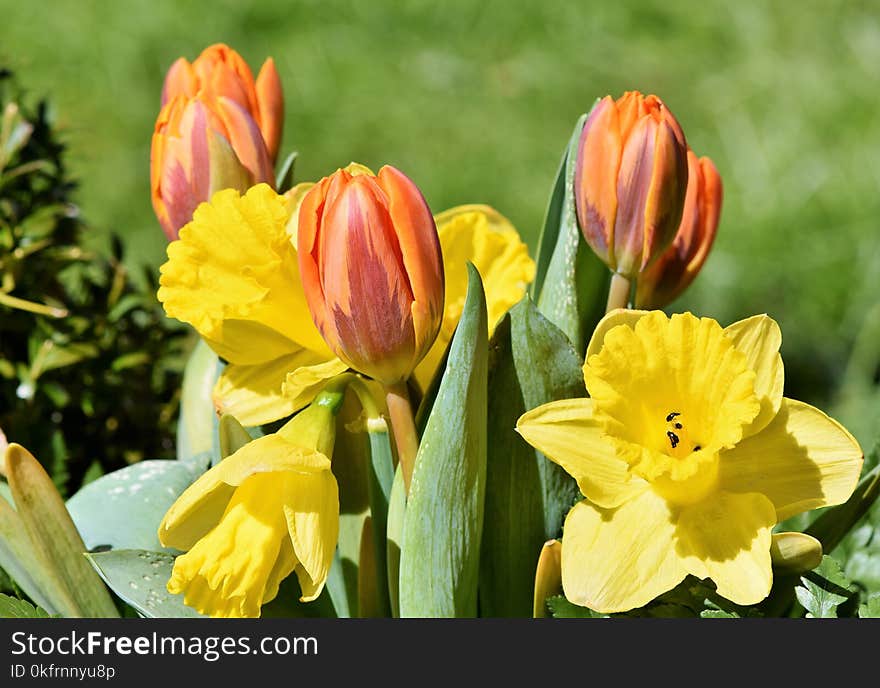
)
(475, 101)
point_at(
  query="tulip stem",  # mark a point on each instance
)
(404, 427)
(618, 293)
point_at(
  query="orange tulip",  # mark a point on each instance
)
(630, 180)
(677, 267)
(218, 128)
(371, 269)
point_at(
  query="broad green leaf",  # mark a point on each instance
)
(14, 608)
(824, 589)
(561, 608)
(527, 496)
(335, 588)
(381, 479)
(139, 577)
(26, 565)
(394, 539)
(52, 532)
(571, 284)
(123, 509)
(439, 565)
(197, 427)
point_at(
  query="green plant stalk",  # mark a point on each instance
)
(618, 293)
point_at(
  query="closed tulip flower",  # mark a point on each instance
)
(665, 279)
(218, 128)
(630, 181)
(371, 268)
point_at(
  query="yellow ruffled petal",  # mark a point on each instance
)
(481, 235)
(619, 559)
(619, 316)
(202, 504)
(301, 385)
(234, 262)
(312, 514)
(567, 434)
(759, 338)
(237, 567)
(263, 393)
(727, 538)
(802, 460)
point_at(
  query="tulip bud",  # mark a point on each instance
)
(371, 269)
(217, 129)
(665, 279)
(630, 180)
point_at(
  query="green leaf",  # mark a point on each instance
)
(824, 590)
(871, 608)
(394, 539)
(139, 577)
(717, 614)
(381, 480)
(439, 564)
(561, 608)
(571, 284)
(52, 532)
(14, 608)
(198, 424)
(527, 496)
(284, 176)
(123, 509)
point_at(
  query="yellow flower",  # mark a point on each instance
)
(266, 511)
(233, 275)
(481, 235)
(688, 455)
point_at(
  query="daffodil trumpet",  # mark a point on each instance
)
(687, 455)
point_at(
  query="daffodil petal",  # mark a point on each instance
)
(802, 460)
(481, 235)
(235, 262)
(302, 384)
(201, 505)
(619, 316)
(565, 432)
(759, 338)
(312, 513)
(726, 537)
(259, 394)
(619, 559)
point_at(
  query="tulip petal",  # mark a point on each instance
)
(480, 235)
(802, 460)
(246, 140)
(567, 434)
(759, 338)
(233, 275)
(270, 104)
(596, 173)
(181, 80)
(727, 538)
(619, 559)
(202, 504)
(312, 512)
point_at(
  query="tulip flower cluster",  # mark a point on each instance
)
(395, 412)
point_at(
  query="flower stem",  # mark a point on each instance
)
(618, 293)
(404, 428)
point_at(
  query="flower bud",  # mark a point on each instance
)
(217, 129)
(548, 577)
(630, 180)
(370, 264)
(795, 552)
(665, 279)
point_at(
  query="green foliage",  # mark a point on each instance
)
(15, 608)
(561, 608)
(444, 513)
(89, 365)
(871, 608)
(824, 590)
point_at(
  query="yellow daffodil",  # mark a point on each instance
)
(481, 235)
(233, 275)
(688, 455)
(268, 510)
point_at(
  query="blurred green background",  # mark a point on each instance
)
(475, 101)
